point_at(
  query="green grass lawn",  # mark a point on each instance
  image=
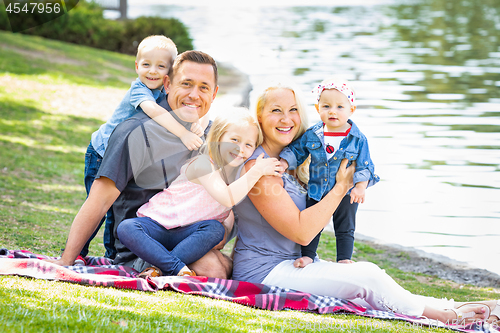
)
(41, 189)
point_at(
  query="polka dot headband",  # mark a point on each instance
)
(340, 86)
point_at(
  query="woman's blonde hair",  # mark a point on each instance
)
(235, 116)
(279, 83)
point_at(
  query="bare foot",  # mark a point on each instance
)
(466, 313)
(302, 262)
(494, 307)
(345, 261)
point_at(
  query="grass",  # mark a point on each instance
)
(41, 189)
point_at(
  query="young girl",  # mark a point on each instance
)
(182, 223)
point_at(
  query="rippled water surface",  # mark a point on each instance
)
(427, 75)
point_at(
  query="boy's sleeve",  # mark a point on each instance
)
(140, 93)
(296, 152)
(365, 169)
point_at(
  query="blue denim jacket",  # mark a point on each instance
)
(322, 171)
(128, 107)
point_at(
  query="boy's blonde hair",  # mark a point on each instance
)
(235, 116)
(158, 42)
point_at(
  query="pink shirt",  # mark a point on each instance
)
(183, 203)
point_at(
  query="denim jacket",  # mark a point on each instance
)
(322, 172)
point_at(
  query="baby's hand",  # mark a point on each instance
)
(284, 165)
(191, 140)
(302, 262)
(345, 261)
(268, 166)
(358, 194)
(197, 129)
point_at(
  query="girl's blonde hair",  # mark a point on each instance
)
(235, 116)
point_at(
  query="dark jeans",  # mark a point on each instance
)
(344, 224)
(92, 164)
(169, 249)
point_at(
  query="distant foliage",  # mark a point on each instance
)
(86, 25)
(136, 30)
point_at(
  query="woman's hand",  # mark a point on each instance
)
(345, 174)
(268, 166)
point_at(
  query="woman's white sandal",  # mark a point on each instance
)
(463, 316)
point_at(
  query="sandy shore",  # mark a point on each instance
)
(412, 260)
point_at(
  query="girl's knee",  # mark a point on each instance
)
(214, 226)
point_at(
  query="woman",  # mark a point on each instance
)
(273, 223)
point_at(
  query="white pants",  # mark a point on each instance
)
(364, 283)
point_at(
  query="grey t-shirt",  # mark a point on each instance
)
(142, 159)
(260, 247)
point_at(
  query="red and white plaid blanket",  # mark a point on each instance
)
(101, 272)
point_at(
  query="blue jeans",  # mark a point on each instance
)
(92, 164)
(169, 249)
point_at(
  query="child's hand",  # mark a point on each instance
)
(302, 262)
(191, 140)
(197, 129)
(268, 166)
(284, 165)
(358, 194)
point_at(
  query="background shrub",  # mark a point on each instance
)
(86, 25)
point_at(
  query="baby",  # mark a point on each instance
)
(328, 142)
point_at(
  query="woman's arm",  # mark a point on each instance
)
(279, 210)
(202, 172)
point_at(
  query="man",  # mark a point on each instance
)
(142, 158)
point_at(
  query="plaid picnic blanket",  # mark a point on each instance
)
(100, 271)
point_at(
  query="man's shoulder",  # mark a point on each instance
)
(129, 124)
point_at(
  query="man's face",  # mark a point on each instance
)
(192, 90)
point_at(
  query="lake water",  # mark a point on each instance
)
(427, 75)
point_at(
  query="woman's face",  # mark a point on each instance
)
(280, 119)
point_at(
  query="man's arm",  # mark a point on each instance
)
(103, 194)
(165, 119)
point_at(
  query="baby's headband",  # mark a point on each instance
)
(340, 86)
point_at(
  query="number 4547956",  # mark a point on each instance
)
(33, 7)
